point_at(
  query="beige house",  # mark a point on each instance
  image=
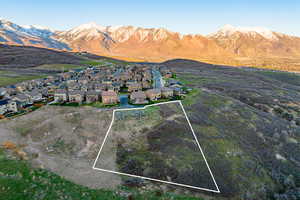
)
(76, 96)
(138, 97)
(133, 87)
(125, 76)
(146, 84)
(166, 92)
(109, 97)
(153, 94)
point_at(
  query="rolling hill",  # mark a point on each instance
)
(12, 56)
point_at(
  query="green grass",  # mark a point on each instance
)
(185, 81)
(152, 110)
(60, 67)
(72, 104)
(11, 78)
(19, 113)
(94, 62)
(99, 104)
(285, 77)
(163, 100)
(117, 62)
(103, 61)
(157, 101)
(23, 130)
(191, 79)
(191, 98)
(19, 181)
(214, 101)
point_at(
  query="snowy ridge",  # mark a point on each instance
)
(229, 30)
(89, 31)
(118, 33)
(124, 33)
(121, 33)
(88, 26)
(28, 35)
(32, 31)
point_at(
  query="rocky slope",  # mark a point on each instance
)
(14, 34)
(139, 43)
(256, 42)
(87, 37)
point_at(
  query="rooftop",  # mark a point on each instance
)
(109, 93)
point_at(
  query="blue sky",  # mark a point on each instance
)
(185, 16)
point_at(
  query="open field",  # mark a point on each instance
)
(59, 67)
(10, 78)
(103, 61)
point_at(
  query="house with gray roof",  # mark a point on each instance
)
(138, 97)
(92, 96)
(76, 96)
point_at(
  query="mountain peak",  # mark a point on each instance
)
(7, 24)
(90, 25)
(36, 27)
(88, 31)
(2, 20)
(229, 30)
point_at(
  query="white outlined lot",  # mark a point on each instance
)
(152, 179)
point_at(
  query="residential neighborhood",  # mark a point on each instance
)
(140, 84)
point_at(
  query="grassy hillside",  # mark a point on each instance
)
(10, 78)
(248, 125)
(20, 181)
(58, 67)
(247, 122)
(21, 63)
(25, 56)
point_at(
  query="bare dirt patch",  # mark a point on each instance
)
(63, 139)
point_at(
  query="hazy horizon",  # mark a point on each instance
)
(189, 17)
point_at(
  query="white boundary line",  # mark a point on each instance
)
(152, 179)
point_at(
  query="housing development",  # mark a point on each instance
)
(150, 100)
(113, 85)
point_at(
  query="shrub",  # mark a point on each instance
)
(9, 145)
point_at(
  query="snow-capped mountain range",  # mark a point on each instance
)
(155, 44)
(229, 30)
(116, 33)
(11, 33)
